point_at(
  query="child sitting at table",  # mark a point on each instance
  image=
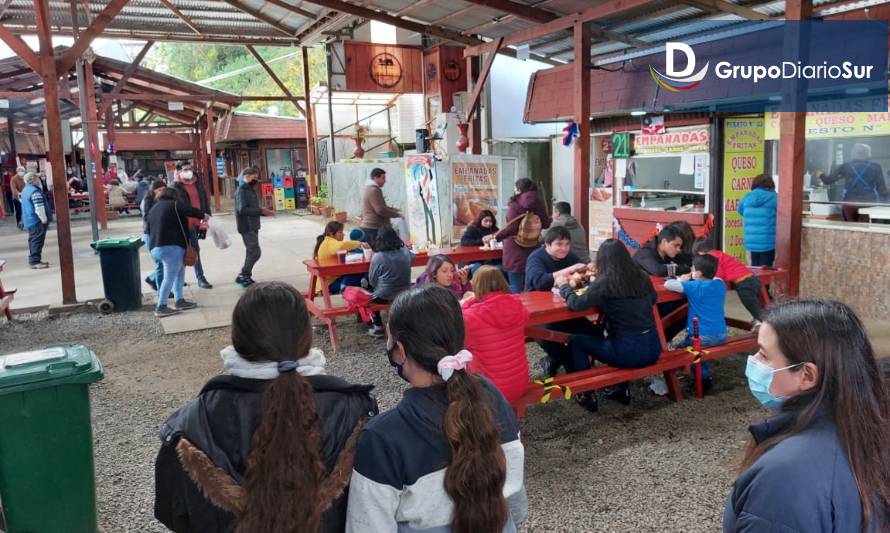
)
(740, 277)
(116, 198)
(495, 322)
(442, 271)
(706, 295)
(326, 247)
(389, 273)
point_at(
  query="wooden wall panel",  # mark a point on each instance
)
(381, 68)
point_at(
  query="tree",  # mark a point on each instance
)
(196, 62)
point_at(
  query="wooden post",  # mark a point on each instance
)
(310, 128)
(55, 150)
(582, 118)
(474, 132)
(792, 139)
(93, 141)
(196, 142)
(211, 140)
(10, 123)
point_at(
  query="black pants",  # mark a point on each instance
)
(376, 316)
(749, 293)
(370, 235)
(193, 242)
(252, 246)
(763, 258)
(17, 206)
(36, 238)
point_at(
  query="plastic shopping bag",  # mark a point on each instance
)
(218, 233)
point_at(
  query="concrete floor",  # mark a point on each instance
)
(286, 241)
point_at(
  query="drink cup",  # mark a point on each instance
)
(672, 271)
(341, 256)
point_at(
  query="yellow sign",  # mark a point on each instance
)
(832, 124)
(743, 149)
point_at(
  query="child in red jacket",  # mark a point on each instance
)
(495, 323)
(740, 277)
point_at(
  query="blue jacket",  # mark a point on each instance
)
(758, 208)
(804, 484)
(32, 198)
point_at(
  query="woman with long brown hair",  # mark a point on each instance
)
(448, 456)
(269, 446)
(822, 463)
(326, 247)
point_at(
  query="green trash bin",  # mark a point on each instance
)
(47, 480)
(121, 279)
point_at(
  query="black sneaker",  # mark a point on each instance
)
(549, 366)
(620, 393)
(163, 311)
(588, 400)
(204, 284)
(376, 331)
(152, 283)
(707, 384)
(243, 281)
(182, 305)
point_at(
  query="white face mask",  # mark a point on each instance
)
(186, 174)
(21, 173)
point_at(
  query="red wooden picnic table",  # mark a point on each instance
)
(544, 307)
(6, 296)
(319, 270)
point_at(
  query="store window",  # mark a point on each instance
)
(279, 163)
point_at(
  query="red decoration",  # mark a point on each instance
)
(359, 151)
(463, 141)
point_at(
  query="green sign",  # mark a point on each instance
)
(621, 145)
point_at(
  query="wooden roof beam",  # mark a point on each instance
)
(494, 22)
(610, 7)
(722, 6)
(95, 29)
(294, 9)
(262, 17)
(129, 71)
(187, 21)
(21, 48)
(276, 79)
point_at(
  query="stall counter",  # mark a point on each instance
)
(639, 224)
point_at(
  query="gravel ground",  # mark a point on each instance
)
(653, 466)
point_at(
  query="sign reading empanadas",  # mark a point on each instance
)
(474, 188)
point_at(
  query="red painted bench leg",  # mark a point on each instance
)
(673, 385)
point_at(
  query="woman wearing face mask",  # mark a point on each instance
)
(822, 463)
(447, 458)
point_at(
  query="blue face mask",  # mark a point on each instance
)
(760, 378)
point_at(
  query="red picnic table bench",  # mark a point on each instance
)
(546, 308)
(319, 270)
(6, 295)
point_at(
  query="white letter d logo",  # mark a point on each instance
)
(670, 48)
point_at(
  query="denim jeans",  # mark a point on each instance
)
(763, 258)
(706, 340)
(156, 275)
(170, 257)
(193, 242)
(349, 280)
(562, 354)
(36, 238)
(517, 281)
(621, 351)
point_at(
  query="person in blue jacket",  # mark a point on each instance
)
(758, 210)
(822, 463)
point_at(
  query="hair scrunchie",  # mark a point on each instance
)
(448, 364)
(286, 366)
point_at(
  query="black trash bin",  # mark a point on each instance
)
(119, 259)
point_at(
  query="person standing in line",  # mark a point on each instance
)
(6, 194)
(191, 192)
(863, 181)
(526, 200)
(375, 212)
(17, 185)
(562, 216)
(156, 277)
(36, 217)
(247, 217)
(821, 463)
(758, 212)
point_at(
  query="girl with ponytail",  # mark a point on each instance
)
(448, 456)
(269, 446)
(326, 247)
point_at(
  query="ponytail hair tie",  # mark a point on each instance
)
(286, 366)
(448, 364)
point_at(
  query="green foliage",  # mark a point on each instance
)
(195, 62)
(321, 197)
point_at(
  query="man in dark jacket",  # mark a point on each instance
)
(247, 217)
(562, 216)
(191, 192)
(654, 257)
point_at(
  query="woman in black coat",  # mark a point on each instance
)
(269, 445)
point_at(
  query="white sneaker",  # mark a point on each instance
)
(658, 386)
